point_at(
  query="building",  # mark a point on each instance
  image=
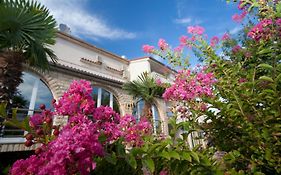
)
(78, 59)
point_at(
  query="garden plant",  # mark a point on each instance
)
(233, 97)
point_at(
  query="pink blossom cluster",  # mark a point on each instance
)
(195, 30)
(147, 48)
(70, 153)
(162, 44)
(134, 132)
(225, 37)
(243, 5)
(261, 30)
(77, 100)
(106, 121)
(236, 49)
(239, 17)
(190, 85)
(214, 41)
(73, 149)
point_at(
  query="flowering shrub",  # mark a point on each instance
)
(240, 118)
(237, 94)
(73, 149)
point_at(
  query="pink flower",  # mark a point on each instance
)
(242, 80)
(183, 40)
(195, 30)
(239, 18)
(261, 30)
(203, 107)
(36, 120)
(164, 172)
(236, 49)
(214, 41)
(158, 82)
(162, 44)
(247, 54)
(147, 48)
(190, 85)
(278, 22)
(225, 37)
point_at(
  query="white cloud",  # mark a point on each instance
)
(81, 22)
(235, 30)
(183, 20)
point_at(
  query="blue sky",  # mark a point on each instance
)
(123, 26)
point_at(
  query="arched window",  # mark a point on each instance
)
(33, 92)
(137, 112)
(30, 94)
(105, 98)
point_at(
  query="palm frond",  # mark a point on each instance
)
(23, 24)
(144, 87)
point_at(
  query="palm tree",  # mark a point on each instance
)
(26, 32)
(145, 88)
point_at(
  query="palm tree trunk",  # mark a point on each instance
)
(147, 112)
(10, 74)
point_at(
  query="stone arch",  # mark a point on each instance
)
(161, 106)
(49, 81)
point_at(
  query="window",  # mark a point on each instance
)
(31, 93)
(137, 112)
(103, 97)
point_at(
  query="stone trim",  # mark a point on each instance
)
(90, 61)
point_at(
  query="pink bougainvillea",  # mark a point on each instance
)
(77, 100)
(236, 49)
(225, 37)
(132, 131)
(70, 153)
(261, 30)
(73, 149)
(190, 85)
(195, 30)
(162, 44)
(147, 48)
(239, 17)
(214, 41)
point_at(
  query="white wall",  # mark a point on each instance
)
(70, 54)
(137, 67)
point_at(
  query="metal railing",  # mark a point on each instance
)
(13, 132)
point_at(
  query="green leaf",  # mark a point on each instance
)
(165, 155)
(121, 149)
(174, 154)
(136, 151)
(3, 112)
(278, 78)
(111, 158)
(267, 154)
(195, 156)
(186, 156)
(229, 157)
(132, 161)
(149, 163)
(278, 9)
(102, 138)
(265, 50)
(266, 78)
(265, 66)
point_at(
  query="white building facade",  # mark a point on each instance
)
(80, 60)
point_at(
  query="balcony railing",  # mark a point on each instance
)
(13, 132)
